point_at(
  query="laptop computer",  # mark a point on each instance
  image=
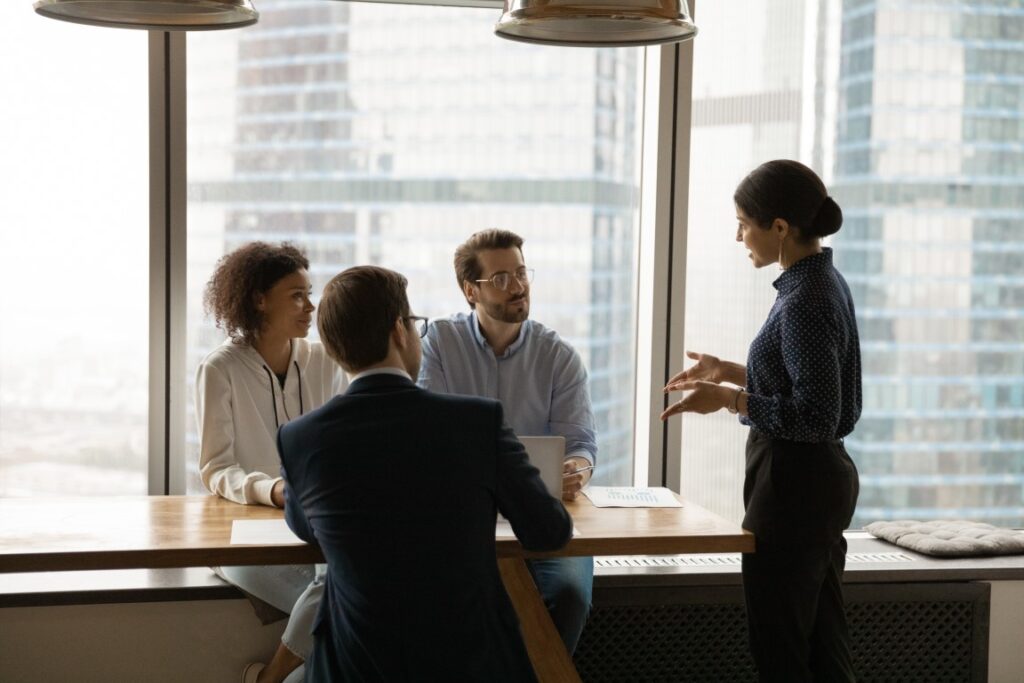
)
(547, 453)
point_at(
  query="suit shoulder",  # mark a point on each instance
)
(461, 402)
(462, 410)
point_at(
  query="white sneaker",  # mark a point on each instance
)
(252, 671)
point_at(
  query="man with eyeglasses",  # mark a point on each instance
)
(496, 351)
(399, 486)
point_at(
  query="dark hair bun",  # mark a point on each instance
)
(828, 220)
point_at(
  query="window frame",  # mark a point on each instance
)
(661, 248)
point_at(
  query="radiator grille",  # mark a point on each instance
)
(665, 643)
(912, 641)
(924, 633)
(721, 560)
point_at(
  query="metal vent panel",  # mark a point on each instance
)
(722, 560)
(640, 561)
(867, 558)
(927, 633)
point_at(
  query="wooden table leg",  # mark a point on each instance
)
(551, 662)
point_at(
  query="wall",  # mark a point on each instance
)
(211, 640)
(156, 642)
(1006, 638)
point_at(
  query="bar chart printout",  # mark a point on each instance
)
(632, 497)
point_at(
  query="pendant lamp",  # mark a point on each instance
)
(596, 23)
(155, 15)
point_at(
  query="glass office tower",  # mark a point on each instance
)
(911, 111)
(930, 174)
(388, 134)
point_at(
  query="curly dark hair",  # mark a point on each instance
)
(241, 276)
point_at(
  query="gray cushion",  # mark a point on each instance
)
(953, 538)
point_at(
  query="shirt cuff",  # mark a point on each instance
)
(581, 454)
(262, 489)
(759, 411)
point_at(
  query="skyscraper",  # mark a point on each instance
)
(911, 112)
(388, 134)
(930, 174)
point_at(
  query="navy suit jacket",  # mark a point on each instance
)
(399, 487)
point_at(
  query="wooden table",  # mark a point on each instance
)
(62, 534)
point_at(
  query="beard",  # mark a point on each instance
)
(508, 312)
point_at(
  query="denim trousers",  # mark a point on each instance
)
(294, 589)
(566, 585)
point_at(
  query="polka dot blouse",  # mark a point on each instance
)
(803, 368)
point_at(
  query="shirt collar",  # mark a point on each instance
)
(481, 341)
(792, 276)
(380, 371)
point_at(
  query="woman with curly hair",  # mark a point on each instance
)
(264, 375)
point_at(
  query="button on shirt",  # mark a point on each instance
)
(540, 379)
(803, 367)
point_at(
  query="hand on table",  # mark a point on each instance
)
(277, 494)
(572, 483)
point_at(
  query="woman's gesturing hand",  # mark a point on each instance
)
(707, 369)
(704, 398)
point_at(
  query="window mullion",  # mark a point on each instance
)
(166, 261)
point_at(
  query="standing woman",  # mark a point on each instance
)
(800, 394)
(264, 375)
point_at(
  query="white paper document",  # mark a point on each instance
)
(631, 497)
(261, 532)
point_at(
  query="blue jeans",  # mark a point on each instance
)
(294, 589)
(566, 585)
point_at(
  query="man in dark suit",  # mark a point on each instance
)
(399, 487)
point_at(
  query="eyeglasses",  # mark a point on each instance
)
(502, 280)
(419, 322)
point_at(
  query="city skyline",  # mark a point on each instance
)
(314, 126)
(929, 171)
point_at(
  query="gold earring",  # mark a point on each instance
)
(781, 242)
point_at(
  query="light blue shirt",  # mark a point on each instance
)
(540, 379)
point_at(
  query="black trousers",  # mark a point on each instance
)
(799, 497)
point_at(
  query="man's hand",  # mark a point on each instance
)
(575, 477)
(277, 493)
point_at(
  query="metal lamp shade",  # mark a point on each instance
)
(157, 15)
(596, 23)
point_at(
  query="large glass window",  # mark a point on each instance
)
(911, 112)
(74, 232)
(388, 134)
